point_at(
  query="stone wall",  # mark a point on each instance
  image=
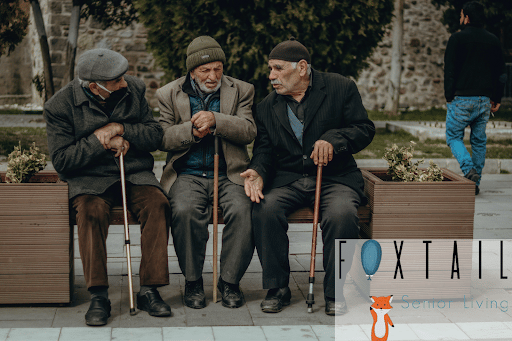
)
(424, 43)
(423, 50)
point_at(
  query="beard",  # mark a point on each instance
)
(205, 89)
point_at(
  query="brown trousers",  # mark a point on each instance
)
(150, 206)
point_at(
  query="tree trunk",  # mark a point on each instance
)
(45, 49)
(74, 24)
(396, 59)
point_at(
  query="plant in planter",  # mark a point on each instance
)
(22, 164)
(401, 167)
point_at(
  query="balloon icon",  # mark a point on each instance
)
(371, 254)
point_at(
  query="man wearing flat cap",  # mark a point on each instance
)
(90, 122)
(310, 118)
(196, 109)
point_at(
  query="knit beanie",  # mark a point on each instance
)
(204, 50)
(290, 50)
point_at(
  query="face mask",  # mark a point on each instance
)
(115, 96)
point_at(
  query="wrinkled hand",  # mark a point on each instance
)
(253, 185)
(323, 152)
(199, 134)
(104, 134)
(118, 145)
(202, 121)
(494, 106)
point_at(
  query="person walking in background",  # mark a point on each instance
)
(474, 80)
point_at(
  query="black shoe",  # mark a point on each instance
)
(194, 294)
(232, 297)
(335, 308)
(153, 303)
(276, 299)
(99, 311)
(472, 175)
(477, 190)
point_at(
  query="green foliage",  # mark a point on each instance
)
(109, 13)
(22, 164)
(498, 17)
(13, 25)
(340, 34)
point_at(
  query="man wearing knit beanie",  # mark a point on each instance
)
(312, 118)
(196, 110)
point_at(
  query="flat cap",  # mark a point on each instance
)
(291, 51)
(101, 65)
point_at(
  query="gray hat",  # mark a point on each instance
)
(204, 50)
(101, 65)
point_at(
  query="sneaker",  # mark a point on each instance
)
(472, 175)
(194, 294)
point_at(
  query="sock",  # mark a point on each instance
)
(99, 291)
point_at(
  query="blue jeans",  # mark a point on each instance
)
(473, 112)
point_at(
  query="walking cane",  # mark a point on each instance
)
(127, 235)
(311, 297)
(215, 214)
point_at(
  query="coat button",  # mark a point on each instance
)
(304, 157)
(305, 175)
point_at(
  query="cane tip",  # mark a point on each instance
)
(310, 308)
(133, 311)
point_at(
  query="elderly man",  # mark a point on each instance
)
(311, 118)
(90, 122)
(195, 110)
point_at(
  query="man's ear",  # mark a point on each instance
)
(94, 88)
(303, 67)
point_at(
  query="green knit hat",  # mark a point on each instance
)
(204, 50)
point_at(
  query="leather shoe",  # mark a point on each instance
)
(232, 297)
(337, 308)
(194, 294)
(276, 299)
(153, 303)
(99, 311)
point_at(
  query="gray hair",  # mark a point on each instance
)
(294, 65)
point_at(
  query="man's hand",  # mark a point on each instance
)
(104, 134)
(323, 152)
(253, 185)
(118, 145)
(494, 106)
(202, 121)
(199, 134)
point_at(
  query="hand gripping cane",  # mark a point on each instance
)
(215, 214)
(127, 235)
(311, 297)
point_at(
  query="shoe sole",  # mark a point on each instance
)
(267, 310)
(162, 314)
(232, 306)
(196, 306)
(96, 323)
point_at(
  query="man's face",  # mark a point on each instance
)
(208, 76)
(113, 85)
(283, 77)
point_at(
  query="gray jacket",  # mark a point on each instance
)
(76, 153)
(234, 125)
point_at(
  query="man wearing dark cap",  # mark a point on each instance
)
(311, 118)
(195, 110)
(90, 122)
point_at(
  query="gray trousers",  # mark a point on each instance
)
(191, 208)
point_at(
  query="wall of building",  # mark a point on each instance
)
(423, 50)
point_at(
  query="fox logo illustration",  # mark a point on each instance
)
(379, 310)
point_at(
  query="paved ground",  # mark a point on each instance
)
(485, 315)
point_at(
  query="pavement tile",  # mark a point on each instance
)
(3, 333)
(438, 331)
(349, 333)
(400, 332)
(85, 334)
(188, 334)
(489, 330)
(33, 334)
(26, 313)
(137, 334)
(245, 333)
(324, 332)
(289, 333)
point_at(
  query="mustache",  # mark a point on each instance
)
(275, 81)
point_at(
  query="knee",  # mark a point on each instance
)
(91, 209)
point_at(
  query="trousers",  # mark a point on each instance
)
(150, 206)
(339, 220)
(191, 199)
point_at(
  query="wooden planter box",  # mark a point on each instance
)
(36, 242)
(413, 212)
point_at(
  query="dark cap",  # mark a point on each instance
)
(290, 50)
(101, 65)
(203, 50)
